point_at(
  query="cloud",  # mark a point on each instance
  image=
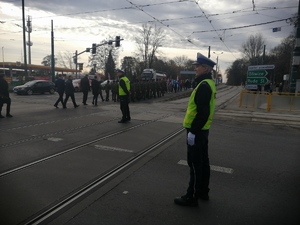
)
(190, 25)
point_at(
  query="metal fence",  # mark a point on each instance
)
(270, 101)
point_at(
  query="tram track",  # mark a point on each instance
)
(57, 208)
(74, 194)
(76, 147)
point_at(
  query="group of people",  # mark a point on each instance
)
(67, 88)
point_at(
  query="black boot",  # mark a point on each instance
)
(186, 201)
(8, 115)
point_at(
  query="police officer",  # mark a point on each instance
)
(197, 122)
(124, 96)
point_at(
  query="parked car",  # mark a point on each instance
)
(105, 82)
(35, 86)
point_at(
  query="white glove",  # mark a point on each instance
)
(191, 139)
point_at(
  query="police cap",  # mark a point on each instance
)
(201, 59)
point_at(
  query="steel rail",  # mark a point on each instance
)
(17, 169)
(51, 213)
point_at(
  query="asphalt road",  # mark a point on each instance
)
(254, 181)
(255, 167)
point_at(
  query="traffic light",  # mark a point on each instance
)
(117, 44)
(94, 48)
(80, 66)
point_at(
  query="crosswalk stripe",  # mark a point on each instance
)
(212, 167)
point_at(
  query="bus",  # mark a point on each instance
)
(151, 74)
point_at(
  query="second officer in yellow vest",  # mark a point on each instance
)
(124, 91)
(197, 122)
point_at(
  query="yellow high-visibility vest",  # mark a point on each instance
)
(191, 111)
(127, 83)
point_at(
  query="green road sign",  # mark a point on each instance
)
(256, 73)
(257, 80)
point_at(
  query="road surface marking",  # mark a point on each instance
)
(110, 148)
(54, 139)
(212, 167)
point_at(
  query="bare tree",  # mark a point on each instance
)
(253, 48)
(181, 61)
(66, 60)
(148, 41)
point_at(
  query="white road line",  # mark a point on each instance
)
(55, 139)
(109, 148)
(212, 167)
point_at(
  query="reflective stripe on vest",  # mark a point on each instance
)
(191, 111)
(127, 83)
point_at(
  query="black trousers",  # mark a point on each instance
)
(198, 161)
(100, 93)
(85, 96)
(107, 95)
(95, 97)
(67, 98)
(6, 101)
(60, 99)
(124, 106)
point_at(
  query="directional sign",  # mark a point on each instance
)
(259, 81)
(257, 73)
(261, 67)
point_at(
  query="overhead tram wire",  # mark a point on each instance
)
(161, 22)
(148, 5)
(220, 36)
(246, 26)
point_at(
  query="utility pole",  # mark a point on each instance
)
(296, 57)
(29, 43)
(52, 53)
(24, 38)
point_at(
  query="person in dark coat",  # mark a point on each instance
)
(107, 89)
(4, 96)
(70, 90)
(60, 88)
(100, 91)
(95, 90)
(85, 87)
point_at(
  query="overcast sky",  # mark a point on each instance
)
(190, 25)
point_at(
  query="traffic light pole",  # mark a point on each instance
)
(94, 46)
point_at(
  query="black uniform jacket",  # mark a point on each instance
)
(60, 85)
(69, 87)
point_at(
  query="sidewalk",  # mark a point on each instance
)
(231, 110)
